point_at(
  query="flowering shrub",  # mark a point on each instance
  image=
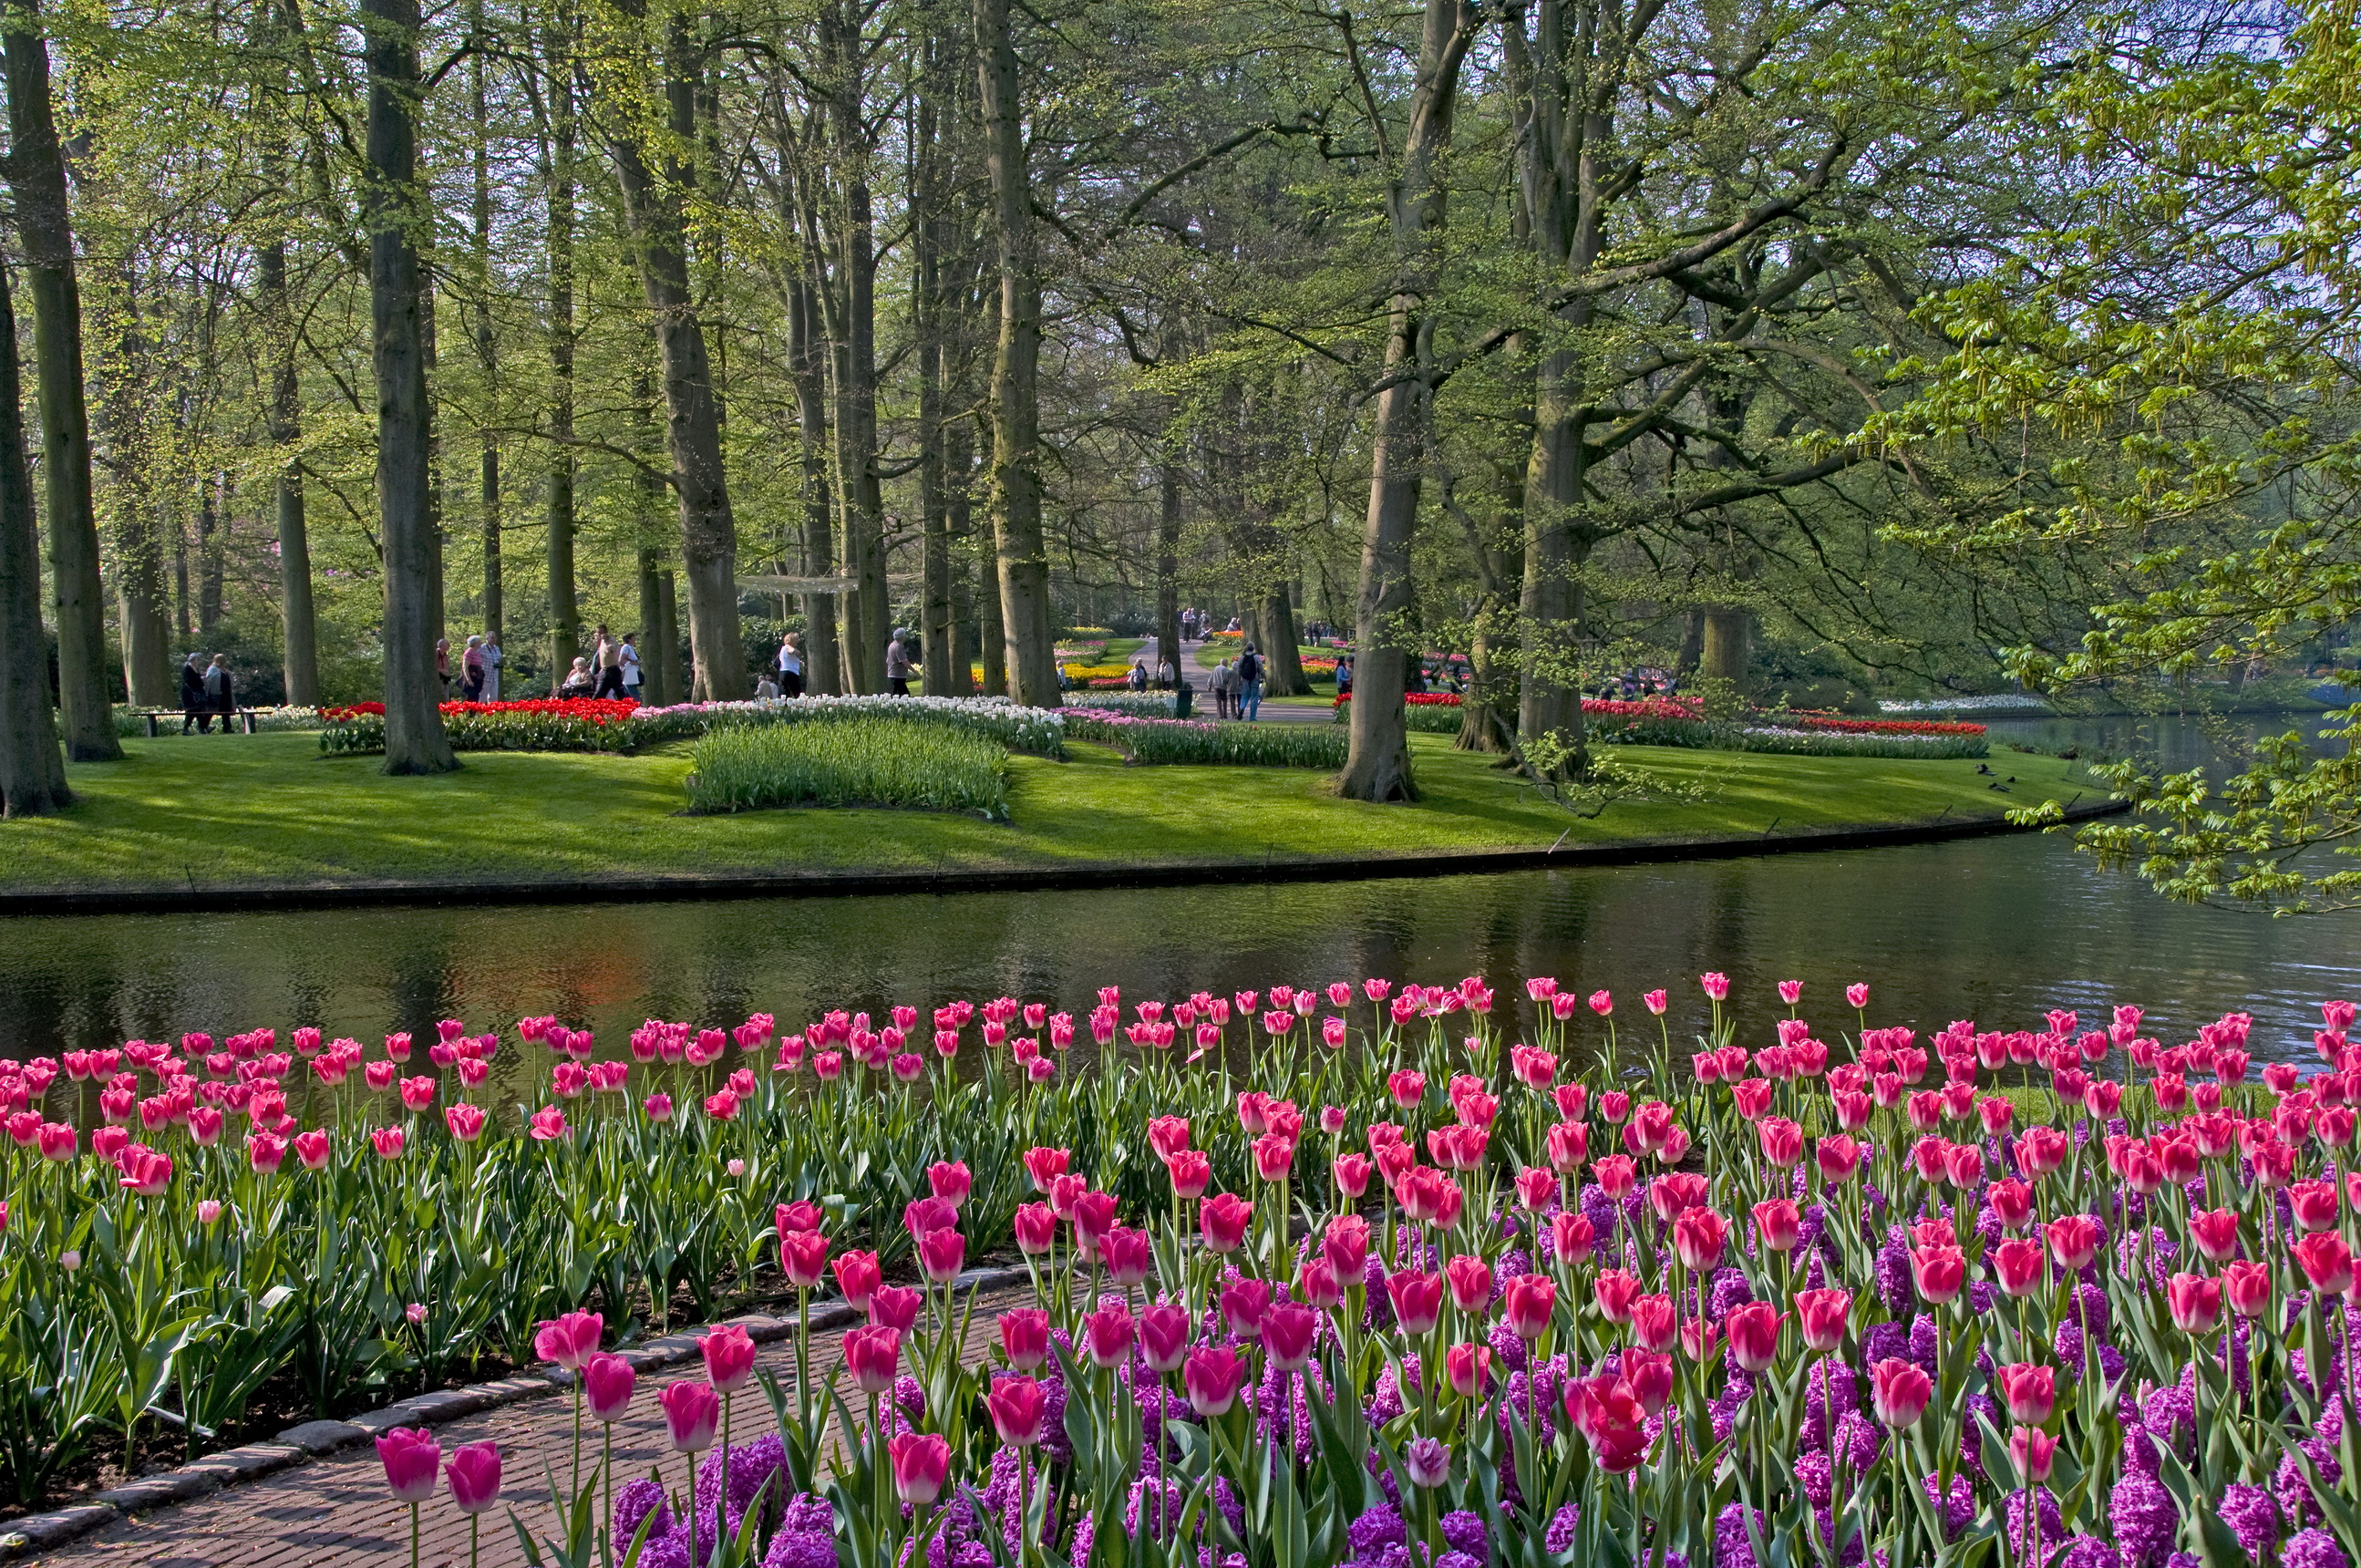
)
(1815, 742)
(1192, 741)
(1551, 1299)
(1838, 724)
(877, 762)
(586, 725)
(543, 724)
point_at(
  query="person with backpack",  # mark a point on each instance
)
(1249, 684)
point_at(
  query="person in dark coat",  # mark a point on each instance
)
(221, 694)
(192, 694)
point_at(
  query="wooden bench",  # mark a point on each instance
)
(157, 715)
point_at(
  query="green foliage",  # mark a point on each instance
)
(1263, 745)
(871, 762)
(2170, 365)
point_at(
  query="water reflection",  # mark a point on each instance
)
(1996, 930)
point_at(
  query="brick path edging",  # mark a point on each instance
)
(299, 1444)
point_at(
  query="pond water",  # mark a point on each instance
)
(1996, 930)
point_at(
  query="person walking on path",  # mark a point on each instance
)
(791, 666)
(1225, 690)
(192, 694)
(443, 666)
(628, 663)
(1137, 678)
(898, 667)
(1345, 676)
(471, 666)
(609, 662)
(1250, 684)
(220, 692)
(493, 660)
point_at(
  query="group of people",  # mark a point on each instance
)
(1237, 688)
(480, 667)
(609, 671)
(207, 693)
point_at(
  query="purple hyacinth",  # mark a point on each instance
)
(2314, 1548)
(2252, 1517)
(2145, 1519)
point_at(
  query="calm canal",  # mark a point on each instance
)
(1997, 930)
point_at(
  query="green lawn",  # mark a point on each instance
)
(268, 810)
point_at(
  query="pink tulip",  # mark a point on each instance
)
(465, 1121)
(1211, 1377)
(1017, 1406)
(1107, 1336)
(803, 1258)
(547, 1124)
(1223, 1219)
(409, 1455)
(606, 1385)
(312, 1148)
(1820, 1319)
(873, 1356)
(728, 1353)
(895, 1307)
(474, 1472)
(1899, 1392)
(858, 1277)
(950, 1181)
(2028, 1390)
(1024, 1337)
(921, 1462)
(388, 1142)
(1165, 1330)
(1527, 1304)
(941, 1255)
(692, 1412)
(569, 1340)
(1127, 1257)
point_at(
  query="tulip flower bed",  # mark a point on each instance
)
(1680, 721)
(875, 761)
(1357, 1275)
(585, 724)
(1191, 740)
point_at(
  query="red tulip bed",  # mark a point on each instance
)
(1364, 1274)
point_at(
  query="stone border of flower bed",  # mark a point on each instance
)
(310, 1440)
(1095, 874)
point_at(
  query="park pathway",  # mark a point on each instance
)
(334, 1509)
(1201, 694)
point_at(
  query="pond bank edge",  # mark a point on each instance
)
(1091, 875)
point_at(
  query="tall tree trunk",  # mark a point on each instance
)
(1168, 565)
(1691, 649)
(667, 637)
(1279, 648)
(958, 520)
(564, 610)
(438, 598)
(709, 531)
(37, 177)
(209, 559)
(937, 623)
(1377, 766)
(32, 764)
(414, 740)
(823, 661)
(488, 461)
(300, 659)
(655, 675)
(1016, 410)
(1727, 643)
(853, 344)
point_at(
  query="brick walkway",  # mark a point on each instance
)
(335, 1510)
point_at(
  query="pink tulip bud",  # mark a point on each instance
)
(921, 1462)
(409, 1455)
(475, 1476)
(569, 1340)
(728, 1353)
(692, 1411)
(1017, 1406)
(606, 1385)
